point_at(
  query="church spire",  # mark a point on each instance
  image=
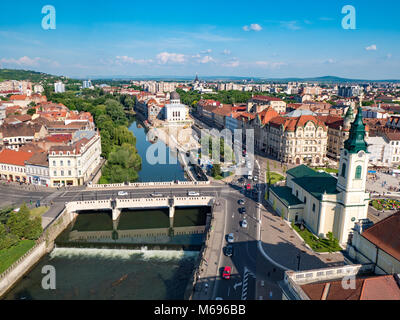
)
(356, 141)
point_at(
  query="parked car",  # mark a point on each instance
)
(193, 193)
(122, 193)
(244, 224)
(248, 186)
(255, 178)
(230, 238)
(226, 274)
(156, 194)
(241, 202)
(242, 210)
(228, 251)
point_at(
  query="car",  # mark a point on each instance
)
(255, 178)
(156, 194)
(241, 180)
(230, 238)
(242, 210)
(248, 186)
(226, 274)
(122, 193)
(228, 251)
(193, 193)
(218, 298)
(244, 224)
(241, 202)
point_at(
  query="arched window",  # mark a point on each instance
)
(358, 172)
(344, 170)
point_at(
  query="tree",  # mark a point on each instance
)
(7, 240)
(18, 222)
(216, 170)
(31, 111)
(35, 229)
(268, 178)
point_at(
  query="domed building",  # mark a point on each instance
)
(175, 111)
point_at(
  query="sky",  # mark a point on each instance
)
(269, 39)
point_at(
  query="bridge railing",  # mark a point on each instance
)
(149, 184)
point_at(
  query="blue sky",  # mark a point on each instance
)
(237, 38)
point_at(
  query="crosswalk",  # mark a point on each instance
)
(247, 274)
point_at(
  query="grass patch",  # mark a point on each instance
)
(218, 178)
(10, 255)
(327, 170)
(318, 245)
(38, 212)
(275, 177)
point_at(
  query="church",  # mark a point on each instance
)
(322, 202)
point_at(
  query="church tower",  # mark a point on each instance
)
(352, 176)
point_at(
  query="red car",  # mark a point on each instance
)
(227, 273)
(248, 187)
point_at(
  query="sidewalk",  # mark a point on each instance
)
(282, 245)
(209, 267)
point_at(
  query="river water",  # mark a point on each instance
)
(169, 171)
(126, 274)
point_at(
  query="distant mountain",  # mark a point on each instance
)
(13, 74)
(326, 79)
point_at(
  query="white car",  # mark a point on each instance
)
(255, 178)
(193, 193)
(244, 224)
(230, 238)
(122, 193)
(156, 195)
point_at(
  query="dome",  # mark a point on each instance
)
(175, 96)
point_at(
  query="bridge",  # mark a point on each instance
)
(117, 205)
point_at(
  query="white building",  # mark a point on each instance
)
(59, 87)
(175, 112)
(74, 165)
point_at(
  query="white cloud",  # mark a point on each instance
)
(130, 60)
(166, 57)
(23, 61)
(226, 52)
(371, 47)
(253, 26)
(271, 65)
(206, 59)
(291, 25)
(231, 64)
(330, 61)
(206, 51)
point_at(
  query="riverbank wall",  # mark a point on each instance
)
(44, 245)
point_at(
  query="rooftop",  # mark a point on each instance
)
(285, 194)
(385, 235)
(316, 183)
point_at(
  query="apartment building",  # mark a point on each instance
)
(259, 103)
(12, 165)
(74, 164)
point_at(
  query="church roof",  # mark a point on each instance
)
(286, 196)
(315, 183)
(356, 141)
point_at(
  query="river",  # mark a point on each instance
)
(107, 273)
(170, 171)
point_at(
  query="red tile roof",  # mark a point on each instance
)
(17, 158)
(385, 235)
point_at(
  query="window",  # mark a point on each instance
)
(55, 173)
(69, 163)
(344, 170)
(61, 163)
(358, 172)
(313, 207)
(62, 173)
(305, 200)
(54, 163)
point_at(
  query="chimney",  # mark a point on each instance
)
(326, 291)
